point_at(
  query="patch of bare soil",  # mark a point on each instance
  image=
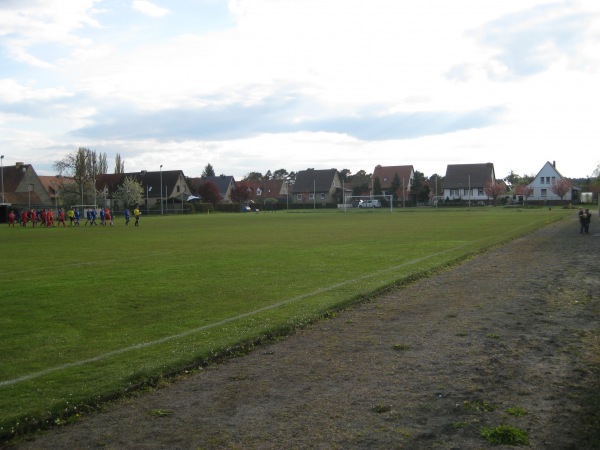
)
(425, 366)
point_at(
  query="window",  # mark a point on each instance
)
(258, 192)
(311, 196)
(385, 179)
(178, 189)
(322, 196)
(542, 180)
(547, 180)
(544, 192)
(480, 192)
(553, 180)
(299, 196)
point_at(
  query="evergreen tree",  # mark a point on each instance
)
(208, 171)
(377, 187)
(396, 186)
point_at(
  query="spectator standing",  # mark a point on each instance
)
(588, 219)
(581, 215)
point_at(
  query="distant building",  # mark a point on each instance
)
(23, 188)
(466, 182)
(541, 185)
(320, 187)
(175, 186)
(386, 175)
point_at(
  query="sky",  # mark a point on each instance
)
(257, 85)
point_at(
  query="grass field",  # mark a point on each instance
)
(89, 314)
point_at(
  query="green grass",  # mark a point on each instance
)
(90, 314)
(505, 435)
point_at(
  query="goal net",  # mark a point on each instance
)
(368, 202)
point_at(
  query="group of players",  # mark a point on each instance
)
(45, 217)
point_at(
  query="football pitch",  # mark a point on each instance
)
(88, 314)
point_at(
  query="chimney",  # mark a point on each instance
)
(18, 164)
(554, 164)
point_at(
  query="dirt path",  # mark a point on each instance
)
(426, 366)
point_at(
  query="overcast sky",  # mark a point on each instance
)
(257, 85)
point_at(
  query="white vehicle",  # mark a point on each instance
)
(370, 204)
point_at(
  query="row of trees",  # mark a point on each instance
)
(82, 168)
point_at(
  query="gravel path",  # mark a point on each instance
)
(425, 366)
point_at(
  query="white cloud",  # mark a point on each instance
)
(44, 23)
(304, 84)
(12, 91)
(149, 8)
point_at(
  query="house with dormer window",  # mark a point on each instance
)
(387, 175)
(317, 187)
(542, 186)
(466, 182)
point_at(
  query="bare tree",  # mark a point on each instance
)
(119, 164)
(494, 189)
(80, 167)
(525, 191)
(102, 166)
(561, 187)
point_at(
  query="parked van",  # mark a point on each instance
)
(370, 204)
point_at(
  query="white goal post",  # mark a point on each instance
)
(366, 202)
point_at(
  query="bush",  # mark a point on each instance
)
(505, 435)
(227, 207)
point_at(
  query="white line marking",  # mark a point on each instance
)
(222, 322)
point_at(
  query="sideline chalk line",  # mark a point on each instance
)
(228, 320)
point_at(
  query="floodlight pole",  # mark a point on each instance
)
(287, 195)
(469, 191)
(94, 177)
(403, 194)
(30, 189)
(2, 168)
(344, 196)
(161, 193)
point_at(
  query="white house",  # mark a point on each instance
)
(541, 186)
(466, 182)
